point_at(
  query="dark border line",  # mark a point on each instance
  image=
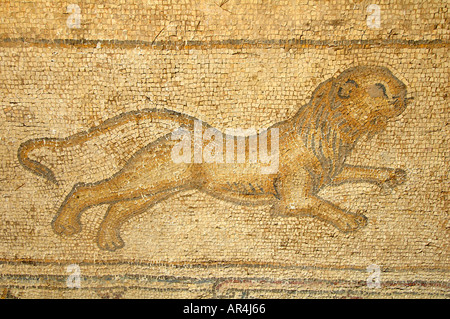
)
(230, 43)
(217, 282)
(213, 264)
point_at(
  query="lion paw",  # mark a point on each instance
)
(66, 226)
(109, 239)
(351, 222)
(397, 177)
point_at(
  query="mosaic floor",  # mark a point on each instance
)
(224, 149)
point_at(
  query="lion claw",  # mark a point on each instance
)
(398, 177)
(109, 239)
(66, 227)
(353, 222)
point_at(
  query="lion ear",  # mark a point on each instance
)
(346, 89)
(322, 91)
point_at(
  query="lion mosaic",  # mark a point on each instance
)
(313, 147)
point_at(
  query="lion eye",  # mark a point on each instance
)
(381, 87)
(377, 90)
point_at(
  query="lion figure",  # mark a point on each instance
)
(313, 146)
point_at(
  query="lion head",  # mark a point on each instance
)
(363, 99)
(359, 101)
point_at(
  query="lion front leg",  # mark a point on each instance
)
(323, 210)
(297, 198)
(381, 176)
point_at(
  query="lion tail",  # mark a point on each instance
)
(76, 139)
(32, 165)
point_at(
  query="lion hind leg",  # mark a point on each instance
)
(82, 196)
(138, 178)
(109, 233)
